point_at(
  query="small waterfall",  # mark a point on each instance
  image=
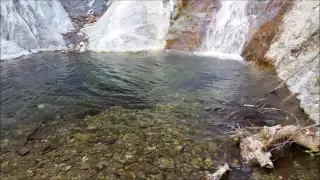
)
(131, 26)
(228, 29)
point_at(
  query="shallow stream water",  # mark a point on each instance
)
(140, 115)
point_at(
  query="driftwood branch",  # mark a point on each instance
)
(254, 148)
(218, 174)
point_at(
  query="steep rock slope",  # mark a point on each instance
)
(295, 54)
(290, 42)
(77, 8)
(32, 25)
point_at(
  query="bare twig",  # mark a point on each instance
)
(254, 146)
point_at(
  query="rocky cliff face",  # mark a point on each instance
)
(290, 42)
(32, 25)
(295, 54)
(188, 24)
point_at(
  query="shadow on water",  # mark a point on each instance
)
(172, 108)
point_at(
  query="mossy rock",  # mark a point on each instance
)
(83, 136)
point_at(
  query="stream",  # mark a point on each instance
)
(155, 115)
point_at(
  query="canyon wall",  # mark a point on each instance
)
(289, 42)
(29, 26)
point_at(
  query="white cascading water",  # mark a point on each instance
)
(131, 26)
(227, 32)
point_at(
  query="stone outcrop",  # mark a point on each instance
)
(32, 26)
(290, 43)
(189, 22)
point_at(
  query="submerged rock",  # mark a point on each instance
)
(23, 151)
(83, 136)
(102, 164)
(165, 163)
(84, 166)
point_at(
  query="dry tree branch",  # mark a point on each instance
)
(254, 147)
(218, 174)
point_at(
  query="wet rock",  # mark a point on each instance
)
(195, 163)
(197, 149)
(151, 148)
(179, 148)
(212, 147)
(23, 151)
(73, 152)
(83, 136)
(158, 177)
(91, 112)
(56, 178)
(45, 175)
(29, 164)
(208, 162)
(30, 173)
(37, 177)
(218, 109)
(67, 168)
(4, 143)
(102, 164)
(115, 165)
(4, 165)
(165, 163)
(84, 166)
(207, 108)
(44, 105)
(91, 128)
(40, 164)
(129, 158)
(51, 146)
(149, 168)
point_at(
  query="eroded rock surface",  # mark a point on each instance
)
(32, 26)
(290, 42)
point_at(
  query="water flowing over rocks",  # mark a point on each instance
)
(130, 26)
(32, 26)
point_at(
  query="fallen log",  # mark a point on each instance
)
(219, 173)
(254, 148)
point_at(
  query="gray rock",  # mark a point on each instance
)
(207, 108)
(77, 8)
(165, 163)
(84, 166)
(67, 168)
(23, 151)
(91, 127)
(30, 173)
(102, 164)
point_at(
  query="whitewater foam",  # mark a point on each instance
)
(220, 55)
